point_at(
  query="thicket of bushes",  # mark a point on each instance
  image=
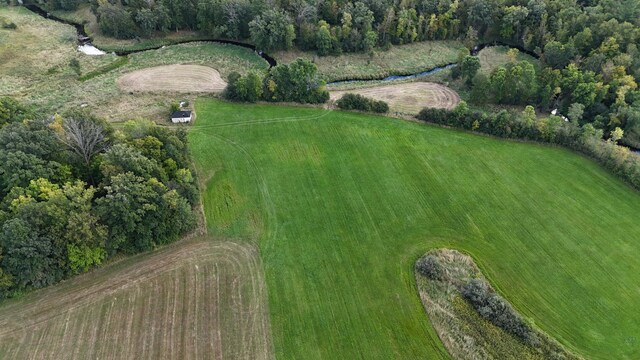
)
(498, 311)
(351, 101)
(553, 129)
(430, 267)
(74, 192)
(295, 82)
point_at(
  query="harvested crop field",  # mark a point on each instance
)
(196, 299)
(173, 78)
(408, 98)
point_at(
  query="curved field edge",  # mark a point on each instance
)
(192, 299)
(407, 98)
(341, 204)
(173, 78)
(463, 331)
(51, 85)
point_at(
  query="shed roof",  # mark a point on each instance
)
(181, 114)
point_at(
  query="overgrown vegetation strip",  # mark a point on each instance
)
(471, 319)
(120, 61)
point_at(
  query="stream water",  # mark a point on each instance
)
(85, 44)
(474, 52)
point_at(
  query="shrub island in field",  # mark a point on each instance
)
(350, 101)
(471, 318)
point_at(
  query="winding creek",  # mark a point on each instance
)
(86, 46)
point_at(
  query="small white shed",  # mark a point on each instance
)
(181, 117)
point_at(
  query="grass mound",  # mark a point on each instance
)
(408, 98)
(465, 333)
(341, 204)
(173, 78)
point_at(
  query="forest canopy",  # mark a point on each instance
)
(74, 192)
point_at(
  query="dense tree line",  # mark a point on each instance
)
(584, 138)
(607, 99)
(296, 82)
(74, 191)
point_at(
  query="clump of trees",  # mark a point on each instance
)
(295, 82)
(115, 21)
(350, 101)
(74, 192)
(606, 96)
(498, 311)
(552, 129)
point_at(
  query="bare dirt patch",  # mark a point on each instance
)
(408, 98)
(173, 78)
(199, 299)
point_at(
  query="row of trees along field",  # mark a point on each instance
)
(74, 192)
(553, 129)
(589, 49)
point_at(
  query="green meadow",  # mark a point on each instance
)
(342, 204)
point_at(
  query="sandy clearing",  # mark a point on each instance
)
(173, 78)
(408, 98)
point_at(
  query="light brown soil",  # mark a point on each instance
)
(173, 78)
(408, 98)
(196, 299)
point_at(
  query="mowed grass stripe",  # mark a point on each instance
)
(347, 202)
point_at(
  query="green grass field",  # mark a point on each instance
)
(495, 56)
(342, 204)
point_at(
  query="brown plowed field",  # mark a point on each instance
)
(173, 78)
(408, 98)
(193, 300)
